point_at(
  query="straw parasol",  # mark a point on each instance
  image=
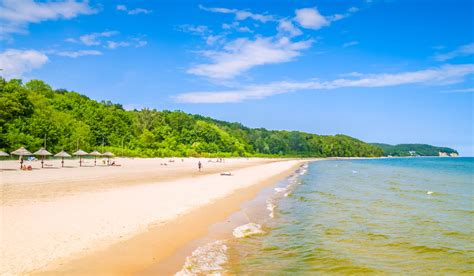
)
(3, 154)
(42, 152)
(62, 154)
(21, 152)
(80, 153)
(95, 154)
(108, 154)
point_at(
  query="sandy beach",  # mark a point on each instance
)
(120, 220)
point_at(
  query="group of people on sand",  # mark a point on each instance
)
(26, 168)
(218, 160)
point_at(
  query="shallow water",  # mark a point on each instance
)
(407, 215)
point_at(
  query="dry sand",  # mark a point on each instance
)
(118, 220)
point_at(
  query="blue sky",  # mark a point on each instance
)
(381, 71)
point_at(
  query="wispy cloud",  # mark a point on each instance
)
(134, 11)
(93, 39)
(243, 54)
(465, 90)
(240, 14)
(194, 29)
(80, 53)
(236, 26)
(14, 62)
(117, 44)
(16, 15)
(350, 43)
(446, 74)
(464, 50)
(100, 39)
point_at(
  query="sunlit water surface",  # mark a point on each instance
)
(407, 215)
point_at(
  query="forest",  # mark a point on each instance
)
(33, 114)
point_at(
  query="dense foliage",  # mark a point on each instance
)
(33, 113)
(417, 149)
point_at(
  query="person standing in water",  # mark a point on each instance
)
(199, 165)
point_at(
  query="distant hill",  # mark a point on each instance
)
(415, 149)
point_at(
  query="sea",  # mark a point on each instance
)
(368, 216)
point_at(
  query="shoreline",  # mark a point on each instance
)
(253, 211)
(55, 234)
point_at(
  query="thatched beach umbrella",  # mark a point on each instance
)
(108, 154)
(21, 152)
(3, 154)
(95, 154)
(80, 153)
(62, 154)
(42, 152)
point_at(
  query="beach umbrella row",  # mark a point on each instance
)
(43, 152)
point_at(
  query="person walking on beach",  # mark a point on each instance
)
(199, 165)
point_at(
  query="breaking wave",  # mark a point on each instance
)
(248, 229)
(206, 260)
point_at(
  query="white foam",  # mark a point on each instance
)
(354, 171)
(279, 190)
(248, 229)
(429, 193)
(271, 207)
(206, 260)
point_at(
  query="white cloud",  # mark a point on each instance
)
(194, 29)
(139, 11)
(310, 18)
(286, 26)
(447, 74)
(464, 50)
(140, 43)
(350, 43)
(121, 7)
(80, 53)
(243, 54)
(353, 9)
(14, 63)
(15, 15)
(133, 11)
(117, 44)
(136, 42)
(240, 14)
(236, 26)
(94, 38)
(212, 39)
(237, 56)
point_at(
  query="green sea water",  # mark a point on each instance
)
(381, 216)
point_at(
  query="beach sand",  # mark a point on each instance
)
(118, 220)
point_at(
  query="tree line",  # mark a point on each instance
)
(33, 113)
